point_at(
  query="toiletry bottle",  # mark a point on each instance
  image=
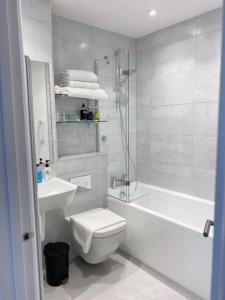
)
(42, 168)
(83, 112)
(38, 174)
(48, 172)
(96, 114)
(89, 113)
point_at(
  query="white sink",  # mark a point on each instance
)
(55, 193)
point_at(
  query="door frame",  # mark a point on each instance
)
(20, 209)
(218, 271)
(16, 193)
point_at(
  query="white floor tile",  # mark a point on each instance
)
(119, 278)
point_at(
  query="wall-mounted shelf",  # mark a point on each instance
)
(63, 95)
(80, 121)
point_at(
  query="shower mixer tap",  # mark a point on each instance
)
(120, 182)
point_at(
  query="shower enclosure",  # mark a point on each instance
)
(118, 137)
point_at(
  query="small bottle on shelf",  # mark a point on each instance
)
(96, 114)
(90, 113)
(83, 112)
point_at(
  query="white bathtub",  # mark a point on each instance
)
(165, 232)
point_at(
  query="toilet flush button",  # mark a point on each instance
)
(83, 182)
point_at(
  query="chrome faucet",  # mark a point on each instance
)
(119, 182)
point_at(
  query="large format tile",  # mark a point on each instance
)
(40, 10)
(203, 184)
(176, 149)
(99, 37)
(207, 84)
(67, 28)
(37, 39)
(71, 54)
(172, 119)
(176, 88)
(174, 58)
(209, 49)
(105, 71)
(204, 152)
(119, 278)
(169, 35)
(205, 119)
(209, 21)
(171, 176)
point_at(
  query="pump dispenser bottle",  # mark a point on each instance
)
(48, 171)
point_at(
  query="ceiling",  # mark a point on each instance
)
(130, 17)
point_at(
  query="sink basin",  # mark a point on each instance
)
(55, 193)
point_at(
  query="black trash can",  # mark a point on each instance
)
(57, 263)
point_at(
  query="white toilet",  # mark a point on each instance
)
(105, 237)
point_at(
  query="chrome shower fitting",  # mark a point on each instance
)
(100, 63)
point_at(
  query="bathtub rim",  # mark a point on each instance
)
(163, 219)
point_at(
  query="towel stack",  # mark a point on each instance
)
(80, 84)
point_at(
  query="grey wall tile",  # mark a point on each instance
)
(109, 70)
(78, 48)
(37, 9)
(209, 21)
(176, 88)
(204, 152)
(143, 120)
(169, 35)
(178, 81)
(99, 37)
(67, 28)
(174, 58)
(71, 54)
(79, 164)
(118, 41)
(37, 39)
(209, 49)
(205, 119)
(203, 184)
(174, 177)
(144, 64)
(207, 84)
(176, 149)
(143, 173)
(172, 119)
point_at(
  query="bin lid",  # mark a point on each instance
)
(56, 249)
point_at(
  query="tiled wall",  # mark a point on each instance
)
(76, 46)
(37, 43)
(37, 39)
(177, 105)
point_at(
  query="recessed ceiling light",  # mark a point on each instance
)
(152, 13)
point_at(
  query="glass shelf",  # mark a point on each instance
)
(80, 121)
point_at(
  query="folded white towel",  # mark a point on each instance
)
(79, 84)
(86, 93)
(85, 224)
(60, 90)
(80, 75)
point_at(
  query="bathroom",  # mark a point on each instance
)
(123, 121)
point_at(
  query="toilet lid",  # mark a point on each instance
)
(105, 222)
(111, 230)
